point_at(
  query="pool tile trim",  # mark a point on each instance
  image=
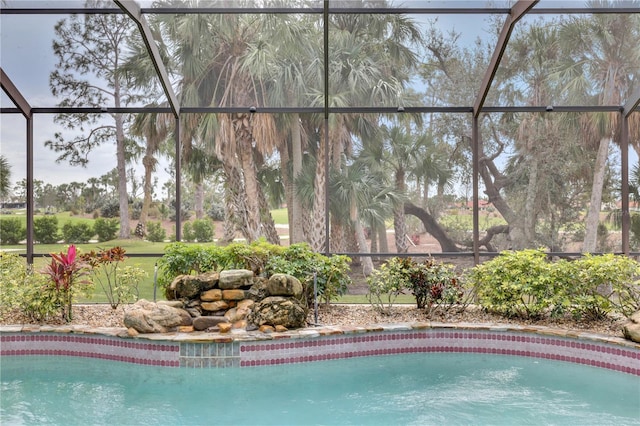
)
(253, 349)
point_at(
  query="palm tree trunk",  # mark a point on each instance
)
(399, 221)
(382, 236)
(593, 215)
(367, 263)
(199, 200)
(250, 174)
(529, 204)
(123, 197)
(268, 225)
(235, 208)
(149, 163)
(317, 236)
(295, 227)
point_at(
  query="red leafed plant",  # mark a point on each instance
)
(64, 270)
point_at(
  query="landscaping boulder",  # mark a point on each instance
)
(235, 278)
(284, 285)
(149, 317)
(631, 329)
(278, 310)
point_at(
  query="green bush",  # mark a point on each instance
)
(203, 230)
(77, 233)
(263, 259)
(526, 284)
(23, 290)
(106, 229)
(12, 231)
(187, 233)
(331, 274)
(516, 284)
(155, 232)
(435, 285)
(119, 283)
(45, 229)
(604, 283)
(387, 282)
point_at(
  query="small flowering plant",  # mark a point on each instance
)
(65, 271)
(119, 282)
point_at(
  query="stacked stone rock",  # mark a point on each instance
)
(221, 302)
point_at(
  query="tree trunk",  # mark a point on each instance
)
(367, 263)
(149, 163)
(432, 227)
(235, 208)
(382, 236)
(268, 225)
(296, 234)
(529, 205)
(250, 174)
(199, 200)
(399, 222)
(593, 215)
(317, 237)
(123, 197)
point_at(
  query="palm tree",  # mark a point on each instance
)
(210, 51)
(602, 56)
(5, 176)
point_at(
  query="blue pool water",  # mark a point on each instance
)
(388, 390)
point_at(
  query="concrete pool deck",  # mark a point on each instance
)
(240, 348)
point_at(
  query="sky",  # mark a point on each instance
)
(27, 58)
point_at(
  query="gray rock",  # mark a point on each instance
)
(284, 285)
(277, 310)
(258, 290)
(203, 323)
(235, 278)
(635, 317)
(631, 331)
(149, 317)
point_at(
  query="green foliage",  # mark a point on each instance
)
(155, 232)
(64, 272)
(263, 259)
(203, 230)
(119, 283)
(526, 284)
(605, 283)
(12, 231)
(21, 289)
(434, 284)
(45, 229)
(386, 283)
(77, 233)
(110, 208)
(330, 273)
(106, 229)
(188, 235)
(516, 284)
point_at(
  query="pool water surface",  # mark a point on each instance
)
(424, 389)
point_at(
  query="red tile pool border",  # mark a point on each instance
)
(99, 347)
(189, 350)
(626, 360)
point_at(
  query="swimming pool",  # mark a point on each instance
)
(434, 388)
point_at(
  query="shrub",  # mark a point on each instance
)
(12, 231)
(516, 284)
(45, 229)
(386, 283)
(26, 291)
(77, 233)
(65, 271)
(110, 208)
(155, 232)
(203, 230)
(263, 259)
(526, 284)
(106, 229)
(187, 232)
(604, 283)
(216, 211)
(331, 274)
(435, 285)
(119, 283)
